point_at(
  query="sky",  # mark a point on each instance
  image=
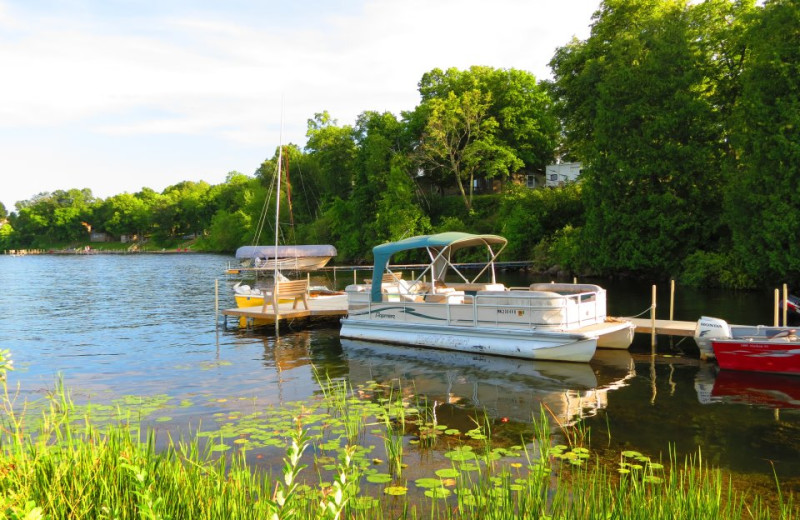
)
(117, 95)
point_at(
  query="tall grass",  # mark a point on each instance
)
(61, 470)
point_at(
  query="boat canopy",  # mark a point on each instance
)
(269, 252)
(440, 248)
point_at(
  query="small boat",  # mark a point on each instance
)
(778, 354)
(555, 322)
(247, 296)
(709, 329)
(285, 258)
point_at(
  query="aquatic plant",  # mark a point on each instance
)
(71, 467)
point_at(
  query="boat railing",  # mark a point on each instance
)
(505, 309)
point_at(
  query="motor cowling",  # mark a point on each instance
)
(708, 328)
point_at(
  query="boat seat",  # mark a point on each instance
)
(787, 334)
(294, 289)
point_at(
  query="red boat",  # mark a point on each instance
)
(779, 354)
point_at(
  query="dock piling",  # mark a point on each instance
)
(653, 323)
(777, 320)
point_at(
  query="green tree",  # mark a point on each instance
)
(762, 203)
(459, 138)
(520, 105)
(637, 112)
(334, 149)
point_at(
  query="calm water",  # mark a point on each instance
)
(144, 325)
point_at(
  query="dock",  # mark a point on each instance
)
(665, 327)
(328, 307)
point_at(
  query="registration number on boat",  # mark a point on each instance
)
(517, 312)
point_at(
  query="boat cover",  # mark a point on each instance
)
(268, 252)
(436, 243)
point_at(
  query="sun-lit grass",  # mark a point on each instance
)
(58, 460)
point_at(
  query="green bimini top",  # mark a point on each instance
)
(435, 244)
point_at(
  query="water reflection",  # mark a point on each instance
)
(752, 388)
(506, 388)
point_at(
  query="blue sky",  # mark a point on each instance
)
(116, 95)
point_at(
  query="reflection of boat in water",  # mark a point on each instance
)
(504, 387)
(753, 388)
(772, 390)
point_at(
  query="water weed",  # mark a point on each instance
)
(71, 467)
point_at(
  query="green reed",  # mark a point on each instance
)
(68, 467)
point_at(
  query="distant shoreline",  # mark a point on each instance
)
(63, 252)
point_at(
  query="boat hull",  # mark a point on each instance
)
(500, 342)
(775, 356)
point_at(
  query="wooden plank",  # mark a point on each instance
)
(667, 327)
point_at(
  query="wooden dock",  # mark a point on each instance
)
(666, 327)
(326, 307)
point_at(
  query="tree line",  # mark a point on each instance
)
(685, 116)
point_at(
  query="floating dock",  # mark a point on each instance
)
(325, 307)
(665, 327)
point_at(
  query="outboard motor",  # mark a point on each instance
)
(707, 329)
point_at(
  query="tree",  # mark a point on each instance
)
(520, 105)
(637, 111)
(763, 196)
(3, 212)
(459, 138)
(334, 150)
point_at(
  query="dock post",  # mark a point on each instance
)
(785, 307)
(777, 303)
(653, 323)
(355, 281)
(216, 302)
(671, 299)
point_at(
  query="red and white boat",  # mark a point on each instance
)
(778, 354)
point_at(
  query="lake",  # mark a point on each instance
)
(144, 325)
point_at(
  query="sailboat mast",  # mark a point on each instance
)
(278, 206)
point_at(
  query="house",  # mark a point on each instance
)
(99, 236)
(560, 174)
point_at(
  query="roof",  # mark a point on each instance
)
(453, 239)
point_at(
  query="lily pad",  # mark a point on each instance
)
(396, 490)
(438, 492)
(379, 478)
(447, 473)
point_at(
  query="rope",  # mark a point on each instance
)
(648, 309)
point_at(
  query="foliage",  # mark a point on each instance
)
(72, 464)
(646, 128)
(684, 115)
(762, 199)
(530, 216)
(333, 148)
(704, 269)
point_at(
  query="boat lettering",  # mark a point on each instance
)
(517, 312)
(381, 315)
(713, 325)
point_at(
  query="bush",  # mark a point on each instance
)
(704, 269)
